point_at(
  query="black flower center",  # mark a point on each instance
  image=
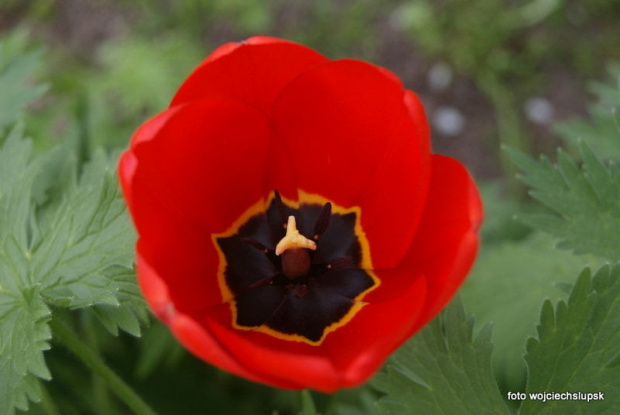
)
(300, 289)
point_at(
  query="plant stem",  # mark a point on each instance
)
(47, 403)
(307, 403)
(101, 392)
(510, 128)
(63, 333)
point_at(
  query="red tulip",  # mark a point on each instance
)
(382, 232)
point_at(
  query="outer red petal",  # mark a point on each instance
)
(192, 171)
(446, 242)
(359, 348)
(193, 336)
(353, 135)
(254, 71)
(286, 364)
(453, 215)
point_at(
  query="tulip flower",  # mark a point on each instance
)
(294, 227)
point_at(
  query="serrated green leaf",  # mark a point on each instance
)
(442, 370)
(583, 202)
(17, 174)
(24, 333)
(66, 243)
(130, 309)
(88, 233)
(16, 71)
(577, 348)
(506, 287)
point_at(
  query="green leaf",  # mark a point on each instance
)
(577, 348)
(506, 287)
(24, 333)
(84, 244)
(583, 201)
(442, 370)
(64, 242)
(16, 72)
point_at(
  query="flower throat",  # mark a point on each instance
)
(295, 270)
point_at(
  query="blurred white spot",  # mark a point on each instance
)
(411, 16)
(439, 76)
(539, 110)
(448, 121)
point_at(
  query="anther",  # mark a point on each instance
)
(322, 221)
(281, 208)
(341, 263)
(254, 243)
(261, 283)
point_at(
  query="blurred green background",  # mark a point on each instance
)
(490, 72)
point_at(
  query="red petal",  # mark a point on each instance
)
(189, 177)
(354, 136)
(153, 288)
(254, 71)
(186, 330)
(446, 241)
(282, 363)
(359, 348)
(205, 346)
(128, 162)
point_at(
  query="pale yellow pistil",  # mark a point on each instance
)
(294, 250)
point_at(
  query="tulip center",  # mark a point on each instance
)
(294, 249)
(295, 270)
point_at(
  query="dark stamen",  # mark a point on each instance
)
(341, 263)
(261, 283)
(254, 243)
(281, 208)
(322, 221)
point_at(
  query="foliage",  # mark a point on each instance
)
(66, 245)
(506, 287)
(16, 71)
(577, 347)
(65, 241)
(583, 201)
(71, 250)
(446, 370)
(442, 370)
